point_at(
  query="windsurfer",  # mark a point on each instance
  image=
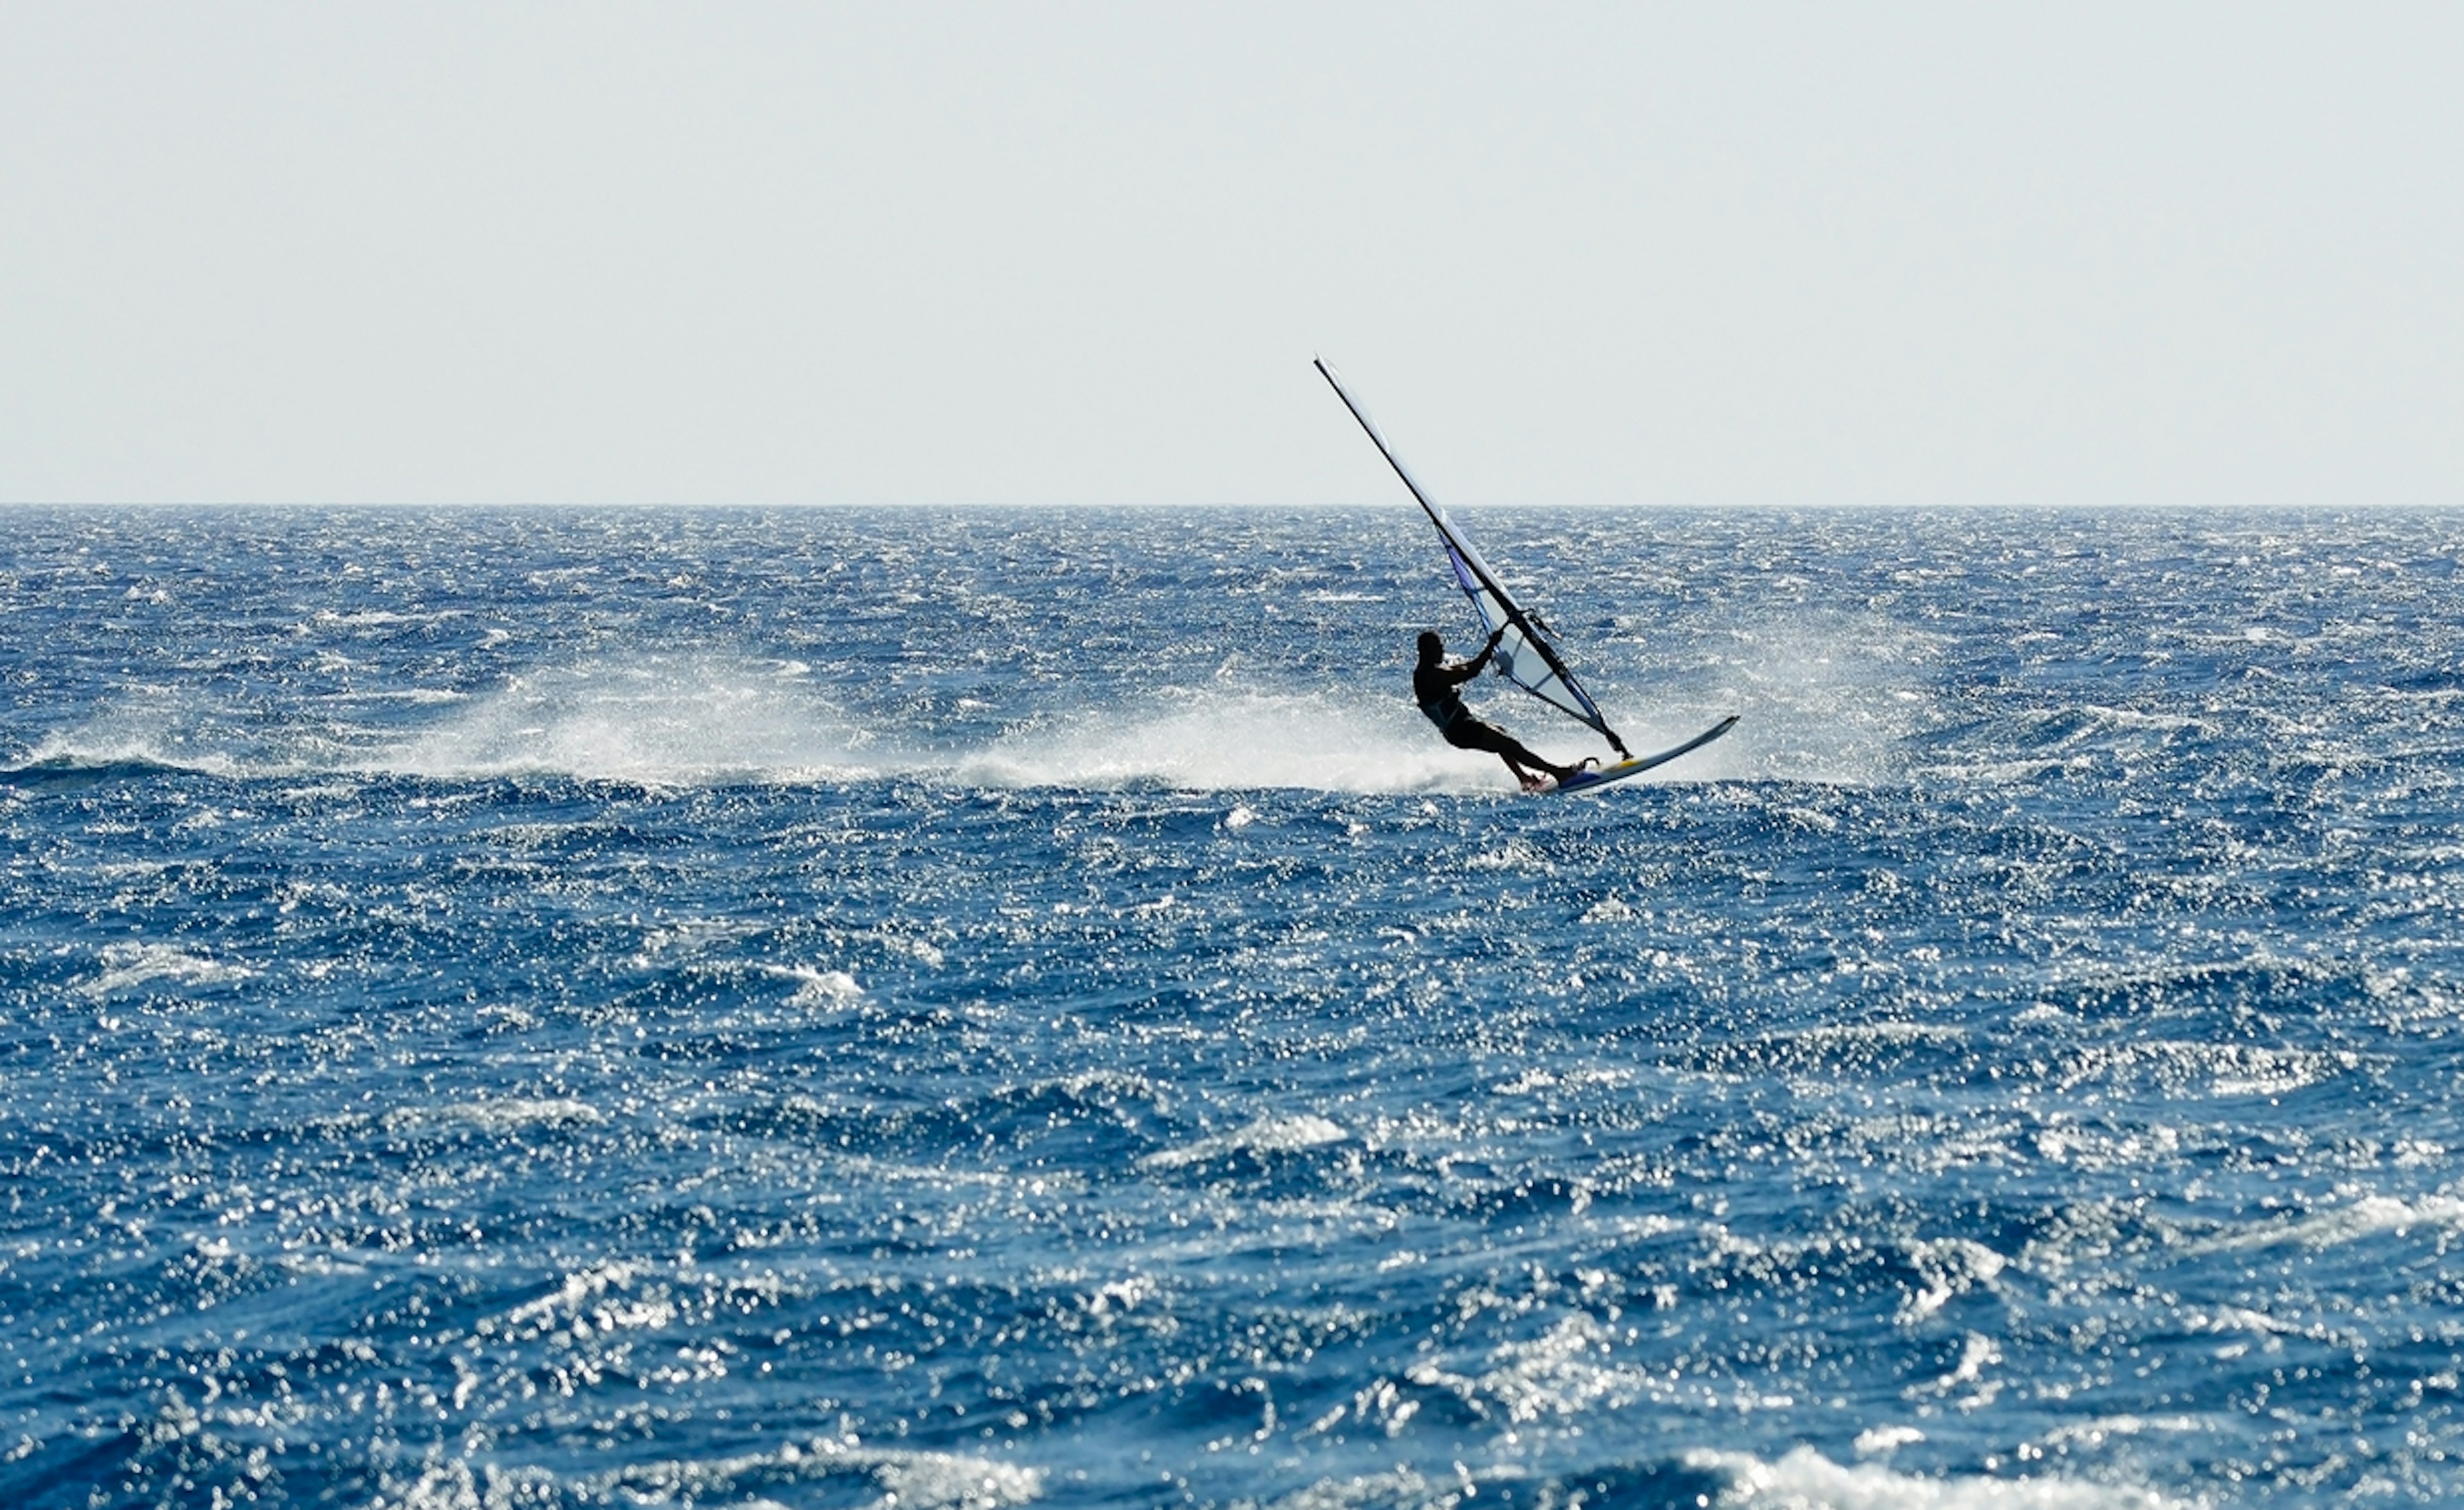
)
(1433, 687)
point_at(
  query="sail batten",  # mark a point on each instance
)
(1524, 654)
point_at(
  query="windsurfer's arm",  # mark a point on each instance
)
(1471, 668)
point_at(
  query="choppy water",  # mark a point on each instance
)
(998, 1008)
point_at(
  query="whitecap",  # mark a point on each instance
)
(581, 1285)
(134, 964)
(818, 988)
(2337, 1225)
(505, 1114)
(1266, 1136)
(1950, 1267)
(1804, 1479)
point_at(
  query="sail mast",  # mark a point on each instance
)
(1549, 680)
(1436, 515)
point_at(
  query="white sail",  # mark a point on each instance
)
(1524, 654)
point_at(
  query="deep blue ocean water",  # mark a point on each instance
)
(997, 1008)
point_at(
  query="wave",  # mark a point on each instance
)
(55, 771)
(2333, 1226)
(1799, 1479)
(127, 966)
(1266, 1136)
(909, 1479)
(1804, 1479)
(498, 1115)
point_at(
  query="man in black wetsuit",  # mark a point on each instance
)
(1433, 687)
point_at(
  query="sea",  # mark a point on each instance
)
(942, 1010)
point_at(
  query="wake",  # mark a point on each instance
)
(683, 722)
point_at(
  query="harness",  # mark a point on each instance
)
(1445, 709)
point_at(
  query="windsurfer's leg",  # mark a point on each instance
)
(1473, 735)
(1514, 754)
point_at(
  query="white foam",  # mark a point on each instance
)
(454, 1484)
(670, 721)
(1266, 1136)
(2337, 1225)
(2096, 1432)
(1977, 1352)
(682, 722)
(907, 1481)
(657, 721)
(498, 1115)
(442, 1486)
(1211, 740)
(1950, 1267)
(134, 735)
(382, 618)
(818, 988)
(587, 1287)
(1834, 1037)
(322, 792)
(1804, 1479)
(2229, 1069)
(685, 720)
(2135, 718)
(127, 965)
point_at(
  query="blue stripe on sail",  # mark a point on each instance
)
(1463, 578)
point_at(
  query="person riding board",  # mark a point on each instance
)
(1433, 687)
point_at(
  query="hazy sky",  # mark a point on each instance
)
(1708, 255)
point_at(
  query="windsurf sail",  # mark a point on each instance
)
(1524, 655)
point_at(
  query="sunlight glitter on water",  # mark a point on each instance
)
(1017, 1009)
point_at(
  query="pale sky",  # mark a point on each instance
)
(760, 254)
